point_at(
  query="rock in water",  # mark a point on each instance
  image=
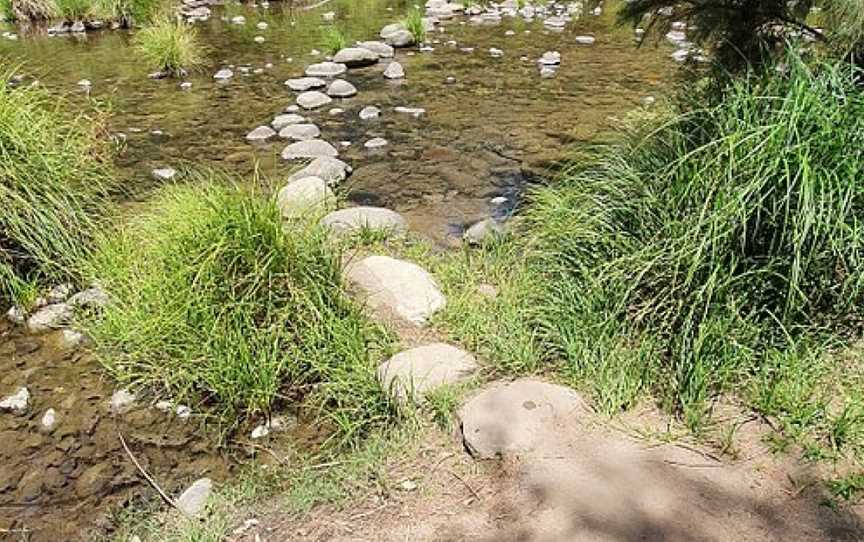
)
(300, 132)
(414, 373)
(356, 219)
(375, 143)
(287, 119)
(163, 173)
(379, 48)
(326, 69)
(340, 88)
(50, 317)
(302, 84)
(312, 148)
(194, 499)
(394, 70)
(16, 403)
(304, 197)
(513, 418)
(332, 170)
(369, 112)
(261, 133)
(355, 57)
(400, 38)
(223, 74)
(396, 288)
(483, 231)
(313, 99)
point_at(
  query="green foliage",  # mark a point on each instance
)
(216, 302)
(28, 10)
(56, 178)
(73, 10)
(333, 39)
(6, 12)
(129, 12)
(742, 34)
(414, 23)
(170, 45)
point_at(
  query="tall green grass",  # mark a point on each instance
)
(333, 39)
(129, 13)
(73, 10)
(414, 23)
(214, 301)
(170, 45)
(682, 257)
(56, 178)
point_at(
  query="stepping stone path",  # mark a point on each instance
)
(302, 84)
(305, 196)
(313, 99)
(332, 170)
(511, 419)
(326, 69)
(396, 288)
(355, 219)
(356, 57)
(412, 374)
(312, 148)
(300, 132)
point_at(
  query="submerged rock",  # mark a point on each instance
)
(394, 70)
(17, 403)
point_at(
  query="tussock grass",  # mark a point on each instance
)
(170, 45)
(215, 302)
(414, 23)
(128, 12)
(333, 39)
(56, 178)
(73, 10)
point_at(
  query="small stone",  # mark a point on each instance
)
(300, 132)
(394, 70)
(450, 80)
(547, 72)
(305, 196)
(312, 148)
(326, 69)
(293, 108)
(91, 298)
(16, 315)
(495, 53)
(261, 133)
(332, 170)
(375, 143)
(164, 406)
(329, 16)
(261, 26)
(483, 231)
(340, 88)
(369, 112)
(260, 431)
(336, 111)
(302, 84)
(407, 485)
(400, 38)
(50, 317)
(183, 412)
(413, 111)
(550, 58)
(16, 403)
(49, 419)
(194, 499)
(239, 19)
(223, 74)
(281, 121)
(122, 401)
(185, 85)
(313, 99)
(60, 293)
(259, 39)
(585, 40)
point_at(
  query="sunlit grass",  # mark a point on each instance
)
(170, 45)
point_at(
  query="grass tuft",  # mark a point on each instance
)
(215, 302)
(170, 45)
(414, 23)
(333, 39)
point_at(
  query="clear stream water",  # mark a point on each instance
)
(496, 128)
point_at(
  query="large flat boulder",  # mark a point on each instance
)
(396, 288)
(356, 57)
(412, 374)
(516, 418)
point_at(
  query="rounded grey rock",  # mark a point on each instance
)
(313, 99)
(356, 57)
(356, 219)
(261, 133)
(192, 501)
(340, 88)
(49, 318)
(286, 119)
(312, 148)
(302, 84)
(369, 112)
(394, 70)
(300, 132)
(379, 48)
(305, 196)
(332, 170)
(326, 69)
(375, 143)
(414, 373)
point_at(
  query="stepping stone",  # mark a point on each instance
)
(340, 88)
(515, 418)
(300, 132)
(391, 29)
(302, 84)
(223, 74)
(379, 48)
(304, 197)
(312, 148)
(394, 70)
(261, 133)
(550, 58)
(192, 501)
(332, 170)
(355, 57)
(356, 219)
(413, 374)
(287, 119)
(369, 112)
(585, 40)
(49, 318)
(396, 288)
(326, 69)
(400, 38)
(375, 143)
(313, 99)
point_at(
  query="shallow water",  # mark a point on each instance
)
(498, 126)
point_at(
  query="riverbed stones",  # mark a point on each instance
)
(60, 293)
(122, 401)
(69, 339)
(223, 75)
(396, 288)
(163, 173)
(341, 88)
(413, 111)
(400, 38)
(394, 70)
(300, 132)
(16, 403)
(369, 112)
(483, 231)
(312, 148)
(585, 40)
(379, 48)
(515, 418)
(302, 84)
(313, 99)
(261, 133)
(550, 58)
(309, 195)
(414, 373)
(286, 119)
(91, 298)
(50, 317)
(326, 69)
(49, 420)
(495, 52)
(356, 219)
(391, 29)
(192, 501)
(332, 170)
(376, 143)
(355, 57)
(16, 315)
